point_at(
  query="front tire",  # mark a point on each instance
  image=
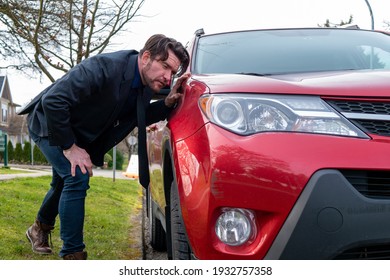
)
(180, 245)
(158, 239)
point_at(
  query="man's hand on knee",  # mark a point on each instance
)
(78, 157)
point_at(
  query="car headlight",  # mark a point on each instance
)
(247, 114)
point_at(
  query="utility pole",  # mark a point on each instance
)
(371, 14)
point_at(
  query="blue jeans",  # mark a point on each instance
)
(65, 198)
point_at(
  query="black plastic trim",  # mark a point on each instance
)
(330, 217)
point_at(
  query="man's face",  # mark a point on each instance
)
(157, 73)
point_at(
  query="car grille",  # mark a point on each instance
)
(371, 252)
(372, 117)
(371, 184)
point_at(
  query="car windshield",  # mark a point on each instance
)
(270, 52)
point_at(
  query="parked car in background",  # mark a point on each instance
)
(280, 148)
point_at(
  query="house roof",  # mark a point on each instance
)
(2, 85)
(15, 123)
(5, 91)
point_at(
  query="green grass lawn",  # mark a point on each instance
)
(112, 229)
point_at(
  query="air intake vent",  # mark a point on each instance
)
(371, 184)
(371, 252)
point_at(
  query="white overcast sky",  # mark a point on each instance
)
(179, 19)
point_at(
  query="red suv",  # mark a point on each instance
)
(280, 148)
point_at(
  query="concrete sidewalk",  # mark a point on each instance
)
(42, 170)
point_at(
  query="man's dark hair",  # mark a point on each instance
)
(158, 46)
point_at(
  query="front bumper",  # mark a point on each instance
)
(333, 220)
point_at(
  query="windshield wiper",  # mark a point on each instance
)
(254, 74)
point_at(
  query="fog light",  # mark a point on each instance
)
(234, 226)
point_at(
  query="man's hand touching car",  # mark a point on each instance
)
(177, 90)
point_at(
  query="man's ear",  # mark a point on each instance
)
(145, 58)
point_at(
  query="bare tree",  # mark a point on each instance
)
(342, 23)
(47, 35)
(386, 25)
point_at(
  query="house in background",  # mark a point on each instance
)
(11, 123)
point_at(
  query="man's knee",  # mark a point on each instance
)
(78, 182)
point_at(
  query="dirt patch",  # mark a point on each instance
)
(139, 248)
(136, 250)
(148, 252)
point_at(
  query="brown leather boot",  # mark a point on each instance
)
(76, 256)
(38, 234)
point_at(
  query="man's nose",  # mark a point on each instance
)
(167, 76)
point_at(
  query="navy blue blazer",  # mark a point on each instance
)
(84, 106)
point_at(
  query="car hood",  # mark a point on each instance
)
(341, 83)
